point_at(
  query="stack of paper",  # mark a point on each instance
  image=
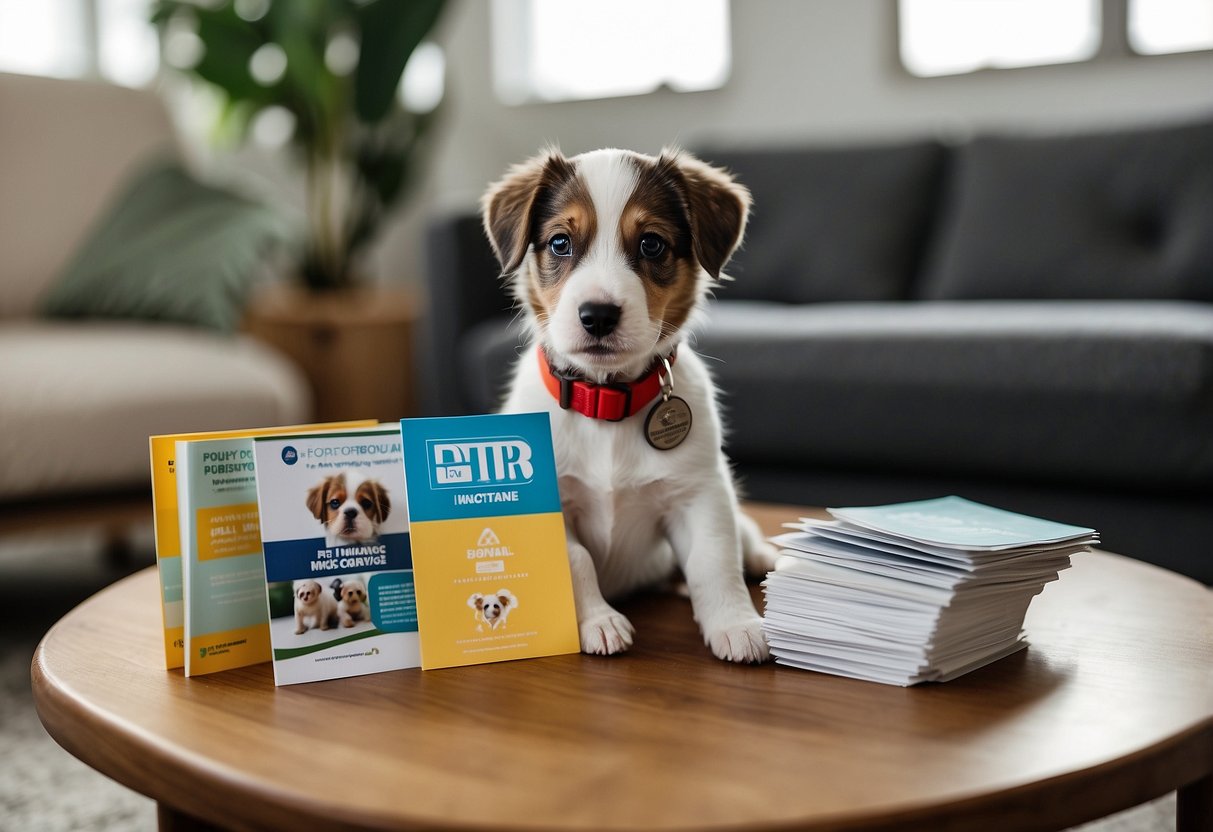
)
(912, 592)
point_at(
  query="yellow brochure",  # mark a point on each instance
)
(168, 528)
(490, 561)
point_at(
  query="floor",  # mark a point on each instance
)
(48, 790)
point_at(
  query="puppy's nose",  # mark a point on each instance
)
(599, 319)
(351, 513)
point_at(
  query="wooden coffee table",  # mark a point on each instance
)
(1111, 706)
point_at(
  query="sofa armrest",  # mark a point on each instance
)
(464, 290)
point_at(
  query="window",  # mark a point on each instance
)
(46, 38)
(566, 50)
(1157, 27)
(109, 39)
(950, 37)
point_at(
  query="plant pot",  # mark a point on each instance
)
(355, 346)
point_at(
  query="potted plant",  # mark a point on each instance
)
(335, 66)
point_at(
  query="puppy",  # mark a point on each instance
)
(610, 255)
(314, 608)
(351, 601)
(493, 609)
(351, 507)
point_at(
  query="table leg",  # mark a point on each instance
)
(1194, 810)
(169, 819)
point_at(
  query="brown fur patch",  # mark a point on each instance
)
(534, 202)
(718, 207)
(657, 206)
(510, 205)
(318, 496)
(563, 208)
(375, 495)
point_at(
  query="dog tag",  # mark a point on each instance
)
(668, 423)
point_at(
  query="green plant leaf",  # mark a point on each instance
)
(169, 248)
(391, 30)
(230, 43)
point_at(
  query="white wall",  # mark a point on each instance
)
(804, 71)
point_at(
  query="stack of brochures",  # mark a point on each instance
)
(913, 592)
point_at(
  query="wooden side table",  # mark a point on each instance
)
(354, 345)
(1112, 705)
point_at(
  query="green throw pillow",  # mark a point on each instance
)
(168, 249)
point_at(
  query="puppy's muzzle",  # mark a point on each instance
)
(599, 319)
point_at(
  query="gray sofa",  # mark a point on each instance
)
(1026, 321)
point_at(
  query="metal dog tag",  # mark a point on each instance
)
(668, 423)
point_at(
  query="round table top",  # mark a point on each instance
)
(1110, 706)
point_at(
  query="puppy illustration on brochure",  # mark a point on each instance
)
(610, 256)
(338, 558)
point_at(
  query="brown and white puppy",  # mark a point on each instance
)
(494, 609)
(611, 255)
(351, 601)
(351, 507)
(314, 608)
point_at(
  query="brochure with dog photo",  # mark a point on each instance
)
(338, 561)
(224, 575)
(489, 547)
(163, 453)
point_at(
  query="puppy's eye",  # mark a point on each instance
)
(334, 504)
(561, 245)
(651, 246)
(365, 503)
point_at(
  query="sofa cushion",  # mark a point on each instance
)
(68, 148)
(1109, 393)
(169, 248)
(1114, 216)
(833, 224)
(81, 400)
(1095, 393)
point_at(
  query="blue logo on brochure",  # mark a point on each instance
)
(289, 455)
(459, 467)
(478, 462)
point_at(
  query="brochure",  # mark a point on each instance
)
(224, 575)
(489, 547)
(338, 566)
(163, 450)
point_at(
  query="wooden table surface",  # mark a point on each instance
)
(1112, 705)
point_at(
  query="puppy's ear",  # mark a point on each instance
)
(508, 206)
(507, 598)
(383, 504)
(718, 207)
(476, 601)
(316, 498)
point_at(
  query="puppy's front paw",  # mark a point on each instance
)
(739, 642)
(760, 557)
(606, 634)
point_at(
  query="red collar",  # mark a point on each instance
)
(612, 402)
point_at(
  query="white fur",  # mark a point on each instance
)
(632, 512)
